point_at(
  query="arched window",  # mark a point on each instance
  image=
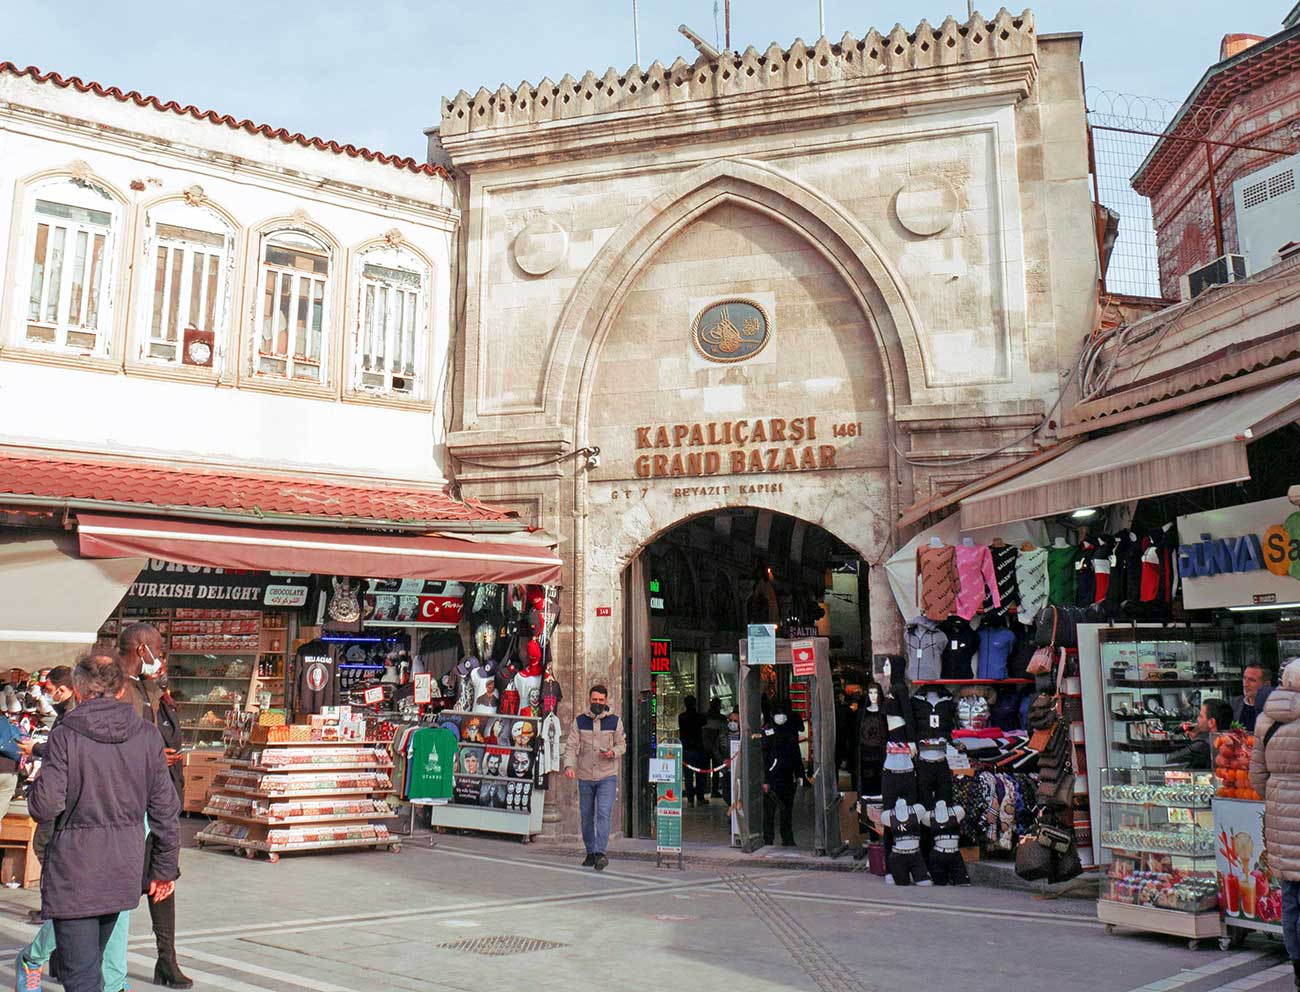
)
(291, 339)
(389, 353)
(189, 251)
(70, 244)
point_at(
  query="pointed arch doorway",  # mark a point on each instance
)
(696, 585)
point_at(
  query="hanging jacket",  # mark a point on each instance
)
(995, 647)
(934, 719)
(925, 645)
(959, 655)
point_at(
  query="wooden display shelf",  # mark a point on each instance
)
(250, 848)
(275, 769)
(289, 821)
(378, 790)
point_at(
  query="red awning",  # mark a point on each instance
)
(327, 552)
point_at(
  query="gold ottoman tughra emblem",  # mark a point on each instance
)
(718, 338)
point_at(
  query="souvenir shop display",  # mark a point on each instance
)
(301, 787)
(481, 762)
(216, 660)
(1159, 827)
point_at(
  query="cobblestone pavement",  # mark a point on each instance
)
(484, 915)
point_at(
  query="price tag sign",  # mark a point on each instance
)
(374, 696)
(804, 658)
(423, 688)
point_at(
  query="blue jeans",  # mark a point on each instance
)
(113, 970)
(1291, 918)
(596, 802)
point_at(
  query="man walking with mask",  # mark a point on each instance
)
(592, 752)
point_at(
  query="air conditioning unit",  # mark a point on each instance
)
(1267, 203)
(1220, 272)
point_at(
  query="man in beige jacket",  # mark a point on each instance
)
(1275, 775)
(592, 753)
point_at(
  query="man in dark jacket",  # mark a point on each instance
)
(104, 771)
(782, 769)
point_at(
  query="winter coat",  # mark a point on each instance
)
(104, 770)
(782, 760)
(1275, 775)
(590, 735)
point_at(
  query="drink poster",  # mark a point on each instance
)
(1249, 896)
(668, 805)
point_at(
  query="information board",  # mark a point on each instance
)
(804, 658)
(668, 805)
(762, 644)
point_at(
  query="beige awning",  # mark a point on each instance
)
(1190, 450)
(53, 601)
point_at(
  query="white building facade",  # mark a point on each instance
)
(190, 288)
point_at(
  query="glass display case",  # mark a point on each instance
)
(1159, 828)
(1155, 680)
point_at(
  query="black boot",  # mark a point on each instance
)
(167, 972)
(1296, 967)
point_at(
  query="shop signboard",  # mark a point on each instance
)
(761, 649)
(804, 658)
(170, 585)
(661, 656)
(1249, 896)
(668, 805)
(1241, 556)
(280, 596)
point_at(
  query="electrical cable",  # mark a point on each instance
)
(588, 451)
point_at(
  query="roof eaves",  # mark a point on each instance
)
(405, 163)
(1214, 75)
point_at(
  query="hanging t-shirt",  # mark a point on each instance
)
(1032, 583)
(548, 759)
(318, 677)
(433, 760)
(485, 691)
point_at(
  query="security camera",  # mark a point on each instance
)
(701, 46)
(593, 458)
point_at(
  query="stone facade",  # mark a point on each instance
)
(912, 214)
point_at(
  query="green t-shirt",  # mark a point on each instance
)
(433, 756)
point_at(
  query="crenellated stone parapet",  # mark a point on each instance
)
(658, 88)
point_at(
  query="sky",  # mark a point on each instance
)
(373, 73)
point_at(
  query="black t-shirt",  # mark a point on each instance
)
(318, 677)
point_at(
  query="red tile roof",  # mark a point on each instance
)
(155, 485)
(252, 127)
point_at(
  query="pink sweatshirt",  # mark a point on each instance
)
(974, 573)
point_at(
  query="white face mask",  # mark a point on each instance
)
(779, 719)
(151, 667)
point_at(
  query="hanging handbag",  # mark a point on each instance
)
(1033, 860)
(1054, 838)
(1040, 663)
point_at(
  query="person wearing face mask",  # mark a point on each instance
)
(593, 750)
(782, 769)
(142, 656)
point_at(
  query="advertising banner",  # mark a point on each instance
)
(1249, 896)
(668, 804)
